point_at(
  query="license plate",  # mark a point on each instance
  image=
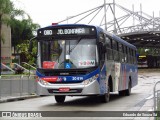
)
(64, 89)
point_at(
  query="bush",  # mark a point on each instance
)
(18, 70)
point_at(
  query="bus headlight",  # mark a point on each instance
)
(90, 80)
(43, 82)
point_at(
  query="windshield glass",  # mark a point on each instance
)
(69, 54)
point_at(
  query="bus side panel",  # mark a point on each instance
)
(117, 77)
(114, 71)
(124, 77)
(110, 70)
(134, 75)
(127, 72)
(102, 81)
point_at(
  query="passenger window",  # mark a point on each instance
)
(114, 45)
(101, 38)
(120, 47)
(108, 42)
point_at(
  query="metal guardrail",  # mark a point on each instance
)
(10, 70)
(17, 86)
(29, 65)
(157, 96)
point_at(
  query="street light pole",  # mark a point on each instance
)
(105, 18)
(114, 15)
(0, 67)
(0, 57)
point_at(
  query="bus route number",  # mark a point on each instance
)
(77, 78)
(48, 32)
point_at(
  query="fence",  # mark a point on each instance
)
(17, 86)
(157, 98)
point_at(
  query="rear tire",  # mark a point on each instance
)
(105, 98)
(121, 93)
(60, 98)
(128, 91)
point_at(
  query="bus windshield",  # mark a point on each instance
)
(69, 54)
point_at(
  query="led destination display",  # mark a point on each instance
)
(52, 31)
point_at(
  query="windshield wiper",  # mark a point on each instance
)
(71, 49)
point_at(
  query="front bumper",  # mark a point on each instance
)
(76, 89)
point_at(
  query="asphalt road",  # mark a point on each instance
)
(141, 99)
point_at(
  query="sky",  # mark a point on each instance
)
(46, 12)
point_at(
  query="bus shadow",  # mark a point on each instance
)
(88, 101)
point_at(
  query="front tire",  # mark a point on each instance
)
(60, 98)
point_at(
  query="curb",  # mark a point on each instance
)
(18, 98)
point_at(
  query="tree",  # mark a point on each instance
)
(7, 11)
(22, 30)
(23, 48)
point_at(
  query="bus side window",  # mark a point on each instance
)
(101, 48)
(118, 53)
(132, 58)
(129, 55)
(125, 58)
(123, 48)
(109, 48)
(115, 50)
(108, 42)
(121, 52)
(135, 57)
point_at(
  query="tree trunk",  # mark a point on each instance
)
(0, 45)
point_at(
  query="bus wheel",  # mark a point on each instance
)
(105, 98)
(121, 93)
(128, 91)
(60, 98)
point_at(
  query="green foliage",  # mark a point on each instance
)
(7, 11)
(23, 49)
(6, 7)
(149, 51)
(22, 30)
(141, 51)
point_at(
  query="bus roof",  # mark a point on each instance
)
(59, 25)
(99, 29)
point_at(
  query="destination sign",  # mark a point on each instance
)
(73, 31)
(66, 31)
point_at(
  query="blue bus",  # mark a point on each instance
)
(83, 60)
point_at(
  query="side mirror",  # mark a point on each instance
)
(31, 44)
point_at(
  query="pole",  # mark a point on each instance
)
(0, 53)
(105, 18)
(114, 12)
(141, 14)
(153, 21)
(133, 16)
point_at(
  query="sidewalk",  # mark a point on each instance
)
(16, 98)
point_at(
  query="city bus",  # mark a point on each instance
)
(142, 61)
(83, 60)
